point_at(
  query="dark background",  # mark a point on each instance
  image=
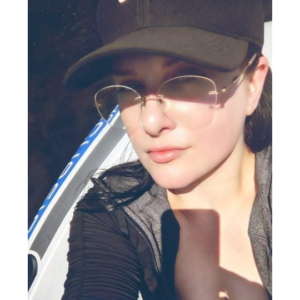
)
(59, 33)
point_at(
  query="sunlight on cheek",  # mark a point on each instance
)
(233, 114)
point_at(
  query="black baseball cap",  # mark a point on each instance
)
(211, 33)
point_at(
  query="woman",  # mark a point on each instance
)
(191, 219)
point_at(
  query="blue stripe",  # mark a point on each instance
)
(70, 166)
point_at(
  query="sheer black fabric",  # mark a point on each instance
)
(103, 263)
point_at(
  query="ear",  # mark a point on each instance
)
(256, 84)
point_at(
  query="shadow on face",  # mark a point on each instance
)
(199, 273)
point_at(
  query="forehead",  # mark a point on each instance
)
(125, 63)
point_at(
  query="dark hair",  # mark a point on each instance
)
(106, 194)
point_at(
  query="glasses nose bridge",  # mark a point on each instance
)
(150, 97)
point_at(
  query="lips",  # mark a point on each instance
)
(164, 155)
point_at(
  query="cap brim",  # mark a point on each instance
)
(189, 44)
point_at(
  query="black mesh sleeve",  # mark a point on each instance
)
(103, 263)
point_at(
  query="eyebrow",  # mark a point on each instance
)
(126, 72)
(171, 61)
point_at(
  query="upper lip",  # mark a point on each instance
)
(164, 148)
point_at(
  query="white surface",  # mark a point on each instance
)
(267, 48)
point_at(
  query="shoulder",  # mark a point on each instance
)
(263, 174)
(98, 240)
(261, 215)
(264, 157)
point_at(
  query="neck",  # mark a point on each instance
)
(229, 186)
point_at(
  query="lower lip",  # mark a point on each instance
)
(164, 156)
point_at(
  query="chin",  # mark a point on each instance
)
(184, 175)
(170, 183)
(172, 178)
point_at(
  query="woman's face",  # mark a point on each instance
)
(180, 154)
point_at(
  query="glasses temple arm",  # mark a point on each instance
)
(236, 78)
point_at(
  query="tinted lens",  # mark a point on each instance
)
(188, 98)
(128, 100)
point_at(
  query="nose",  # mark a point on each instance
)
(154, 120)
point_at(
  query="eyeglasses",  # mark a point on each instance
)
(189, 99)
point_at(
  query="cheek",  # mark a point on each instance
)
(219, 140)
(137, 138)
